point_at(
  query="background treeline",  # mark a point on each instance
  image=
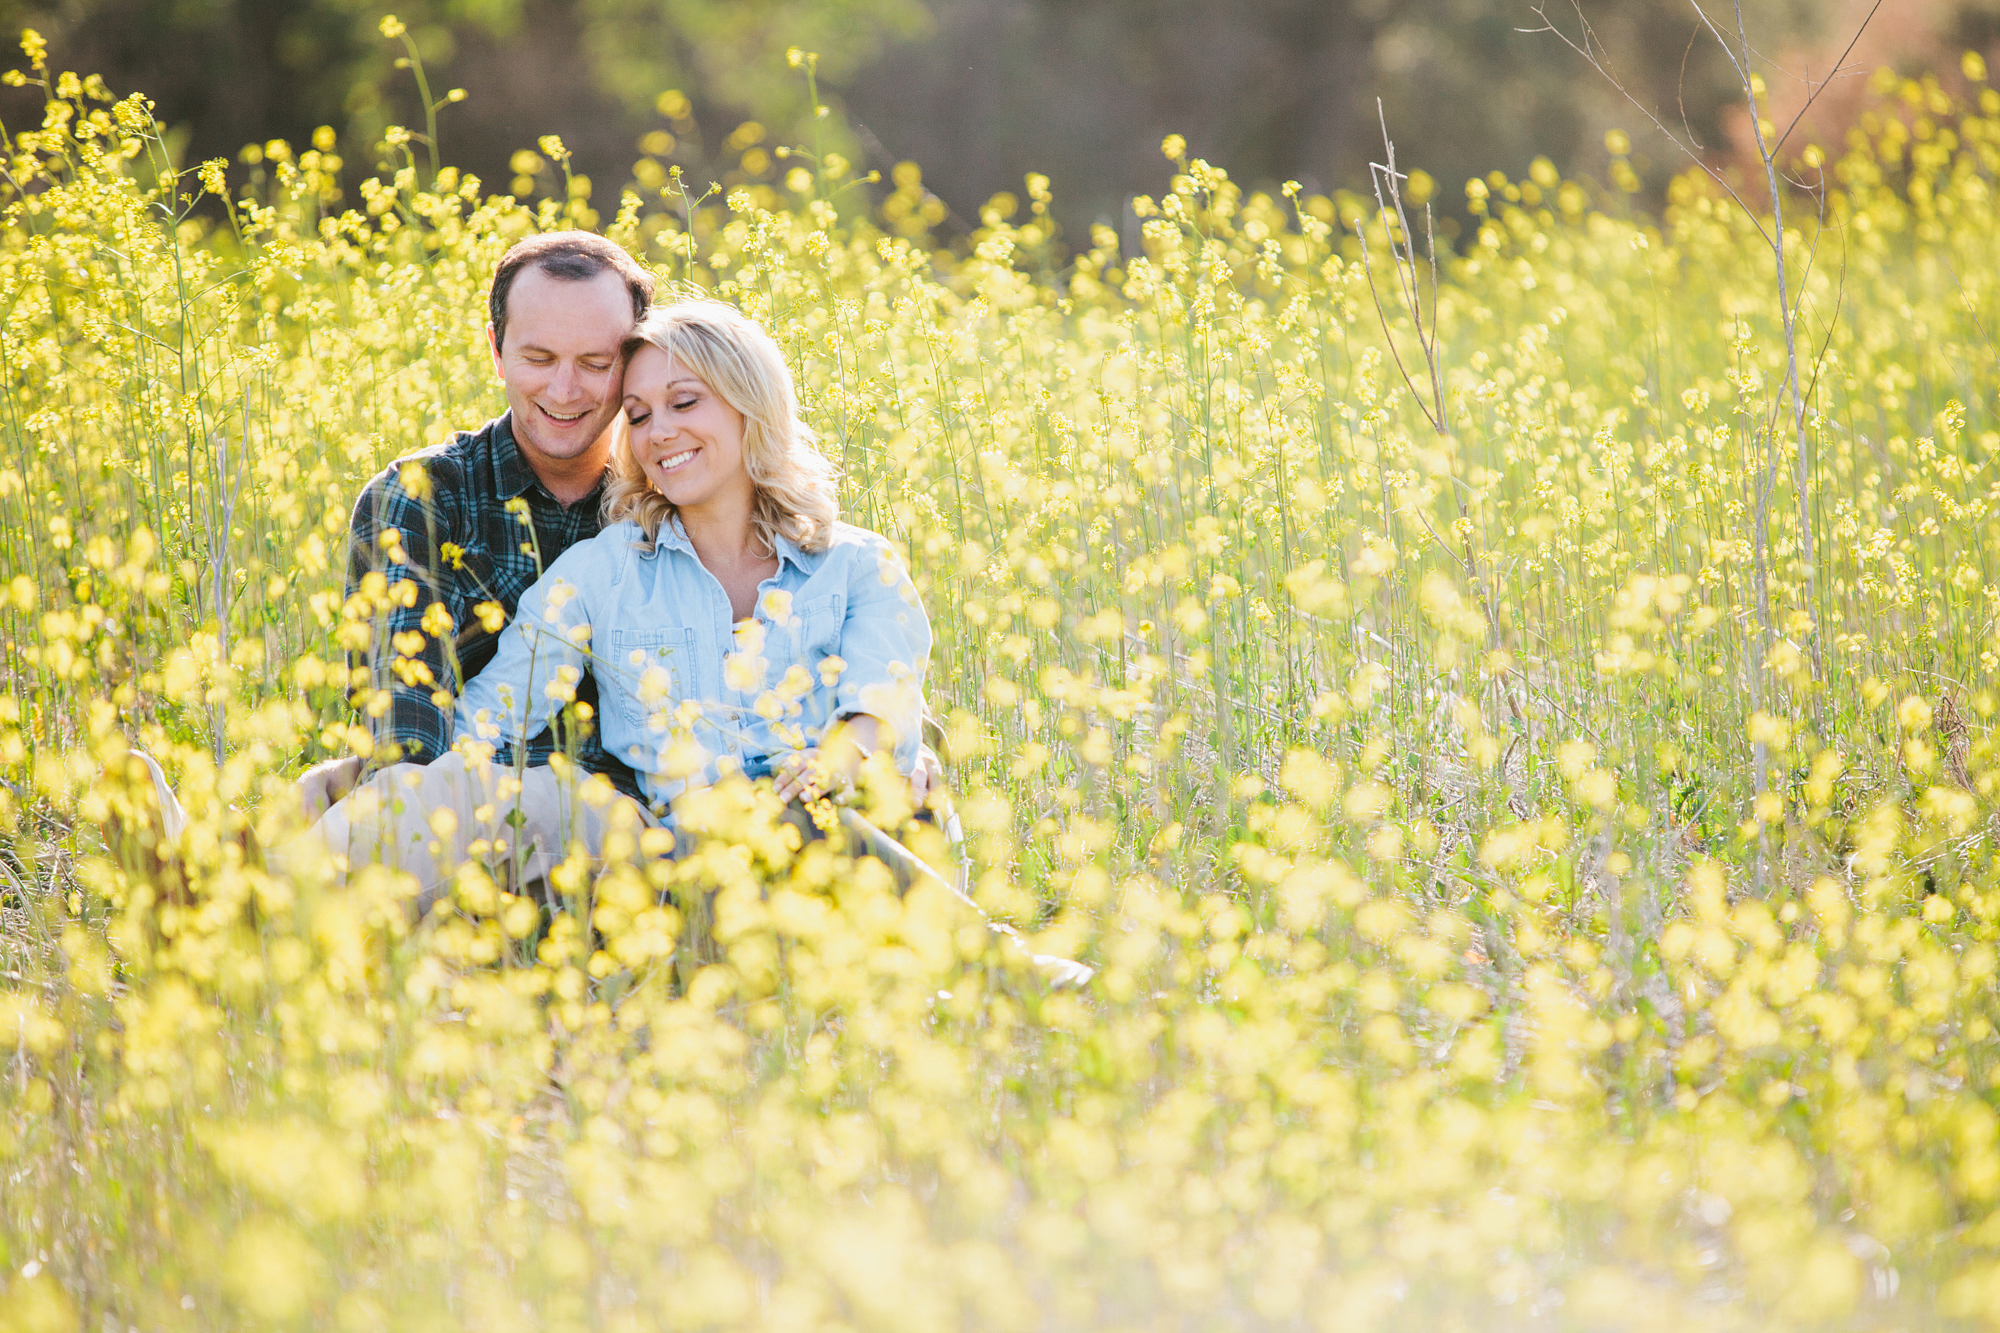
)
(980, 92)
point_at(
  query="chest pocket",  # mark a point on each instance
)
(816, 627)
(648, 671)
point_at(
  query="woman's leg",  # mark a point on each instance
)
(861, 838)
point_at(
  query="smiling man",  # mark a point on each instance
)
(458, 531)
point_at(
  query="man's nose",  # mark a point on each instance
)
(568, 378)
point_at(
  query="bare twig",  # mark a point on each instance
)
(1590, 51)
(1832, 74)
(1436, 408)
(1404, 262)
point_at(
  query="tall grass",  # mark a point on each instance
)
(1402, 783)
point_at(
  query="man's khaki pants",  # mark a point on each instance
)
(427, 820)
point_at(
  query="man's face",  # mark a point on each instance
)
(560, 359)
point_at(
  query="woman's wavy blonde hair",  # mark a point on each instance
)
(739, 361)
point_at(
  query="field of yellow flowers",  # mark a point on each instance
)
(1543, 871)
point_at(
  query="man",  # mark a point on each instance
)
(442, 545)
(470, 524)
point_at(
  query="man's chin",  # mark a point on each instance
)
(551, 442)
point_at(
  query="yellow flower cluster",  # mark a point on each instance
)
(1536, 881)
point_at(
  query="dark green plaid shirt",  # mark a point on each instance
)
(471, 534)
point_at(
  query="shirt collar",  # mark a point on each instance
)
(805, 561)
(511, 474)
(673, 537)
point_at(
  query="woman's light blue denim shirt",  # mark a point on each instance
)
(685, 694)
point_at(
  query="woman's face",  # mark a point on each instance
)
(685, 438)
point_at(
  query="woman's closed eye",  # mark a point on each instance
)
(685, 403)
(637, 419)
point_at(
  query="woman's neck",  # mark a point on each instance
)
(730, 549)
(721, 532)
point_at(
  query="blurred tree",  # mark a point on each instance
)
(730, 51)
(978, 92)
(237, 71)
(1280, 89)
(229, 71)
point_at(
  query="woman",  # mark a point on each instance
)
(733, 622)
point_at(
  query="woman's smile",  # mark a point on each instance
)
(673, 462)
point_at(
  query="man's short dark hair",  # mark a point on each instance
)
(572, 256)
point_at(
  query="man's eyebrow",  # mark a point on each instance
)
(606, 352)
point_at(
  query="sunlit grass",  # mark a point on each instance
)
(1400, 784)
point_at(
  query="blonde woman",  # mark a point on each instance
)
(733, 622)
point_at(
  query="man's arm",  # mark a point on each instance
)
(399, 625)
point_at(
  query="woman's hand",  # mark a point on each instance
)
(928, 778)
(832, 768)
(802, 776)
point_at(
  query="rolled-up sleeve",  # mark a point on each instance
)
(885, 645)
(543, 655)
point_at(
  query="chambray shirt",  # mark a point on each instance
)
(686, 695)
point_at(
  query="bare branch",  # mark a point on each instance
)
(1837, 65)
(1680, 85)
(1591, 58)
(1403, 259)
(1833, 320)
(1387, 337)
(1742, 73)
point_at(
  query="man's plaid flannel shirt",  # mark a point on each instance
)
(471, 526)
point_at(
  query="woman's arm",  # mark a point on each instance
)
(885, 648)
(876, 678)
(542, 655)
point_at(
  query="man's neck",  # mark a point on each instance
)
(568, 479)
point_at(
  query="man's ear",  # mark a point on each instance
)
(493, 346)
